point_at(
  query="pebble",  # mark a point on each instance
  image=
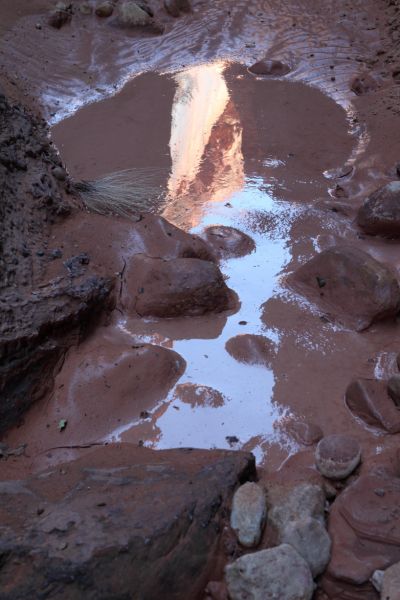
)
(278, 572)
(311, 540)
(249, 513)
(337, 456)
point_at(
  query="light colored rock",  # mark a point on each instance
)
(295, 504)
(311, 540)
(376, 579)
(336, 456)
(278, 573)
(131, 14)
(391, 583)
(248, 514)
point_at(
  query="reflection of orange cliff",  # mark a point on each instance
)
(206, 145)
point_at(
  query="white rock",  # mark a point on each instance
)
(275, 574)
(391, 583)
(248, 514)
(311, 540)
(376, 579)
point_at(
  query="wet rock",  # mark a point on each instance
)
(391, 583)
(131, 14)
(251, 349)
(311, 540)
(276, 573)
(228, 242)
(337, 456)
(271, 68)
(248, 514)
(85, 8)
(369, 400)
(199, 395)
(363, 84)
(174, 288)
(175, 7)
(59, 173)
(295, 503)
(305, 433)
(120, 522)
(380, 214)
(60, 15)
(358, 289)
(105, 9)
(393, 387)
(365, 531)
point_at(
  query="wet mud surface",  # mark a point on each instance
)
(221, 333)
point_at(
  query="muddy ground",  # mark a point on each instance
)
(198, 321)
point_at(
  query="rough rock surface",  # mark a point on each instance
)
(364, 526)
(278, 572)
(295, 504)
(248, 514)
(228, 242)
(358, 289)
(121, 522)
(336, 456)
(251, 349)
(391, 583)
(173, 288)
(380, 213)
(311, 540)
(369, 400)
(39, 317)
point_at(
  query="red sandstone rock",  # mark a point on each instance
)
(380, 213)
(228, 242)
(368, 399)
(121, 522)
(351, 284)
(337, 456)
(305, 433)
(174, 288)
(251, 349)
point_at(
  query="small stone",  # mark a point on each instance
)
(295, 504)
(248, 514)
(363, 84)
(59, 16)
(171, 6)
(59, 173)
(104, 10)
(337, 456)
(130, 14)
(393, 387)
(311, 540)
(85, 8)
(38, 26)
(377, 579)
(278, 573)
(391, 583)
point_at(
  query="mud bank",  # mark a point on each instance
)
(220, 319)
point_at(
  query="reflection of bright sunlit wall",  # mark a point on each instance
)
(201, 101)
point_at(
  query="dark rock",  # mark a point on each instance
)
(393, 388)
(337, 456)
(368, 399)
(121, 522)
(358, 289)
(271, 68)
(175, 7)
(228, 242)
(380, 214)
(174, 288)
(105, 9)
(365, 532)
(251, 349)
(60, 15)
(59, 173)
(363, 84)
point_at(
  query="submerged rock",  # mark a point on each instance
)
(278, 572)
(358, 289)
(120, 522)
(272, 68)
(369, 400)
(248, 515)
(228, 242)
(380, 213)
(174, 288)
(251, 349)
(311, 540)
(337, 456)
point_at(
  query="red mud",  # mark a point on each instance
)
(286, 158)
